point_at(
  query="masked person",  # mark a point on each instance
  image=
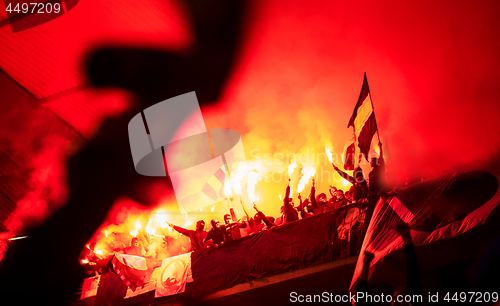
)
(197, 237)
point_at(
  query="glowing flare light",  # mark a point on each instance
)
(252, 180)
(291, 168)
(307, 173)
(329, 154)
(135, 231)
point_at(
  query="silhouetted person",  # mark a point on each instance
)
(261, 220)
(232, 229)
(303, 207)
(319, 203)
(135, 248)
(360, 187)
(197, 237)
(215, 236)
(339, 200)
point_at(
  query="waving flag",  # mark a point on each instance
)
(435, 209)
(213, 190)
(175, 272)
(131, 269)
(350, 150)
(363, 120)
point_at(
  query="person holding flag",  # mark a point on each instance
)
(359, 185)
(376, 177)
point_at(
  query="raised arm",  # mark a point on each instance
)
(179, 229)
(344, 175)
(287, 193)
(268, 223)
(312, 198)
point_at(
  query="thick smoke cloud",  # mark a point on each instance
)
(39, 143)
(432, 69)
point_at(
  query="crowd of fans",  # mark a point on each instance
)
(362, 195)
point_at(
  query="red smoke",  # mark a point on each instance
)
(432, 68)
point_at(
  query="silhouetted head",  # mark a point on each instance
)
(227, 218)
(200, 225)
(339, 194)
(403, 292)
(309, 208)
(358, 175)
(135, 242)
(374, 162)
(257, 218)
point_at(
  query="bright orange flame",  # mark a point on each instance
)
(252, 180)
(291, 168)
(161, 218)
(212, 209)
(150, 229)
(227, 188)
(98, 252)
(135, 231)
(307, 173)
(85, 261)
(329, 154)
(106, 233)
(279, 196)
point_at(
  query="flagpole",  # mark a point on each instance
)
(374, 117)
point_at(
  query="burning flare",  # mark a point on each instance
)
(328, 151)
(252, 180)
(307, 173)
(291, 168)
(135, 231)
(227, 188)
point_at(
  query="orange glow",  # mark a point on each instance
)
(307, 173)
(252, 180)
(291, 168)
(227, 188)
(329, 154)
